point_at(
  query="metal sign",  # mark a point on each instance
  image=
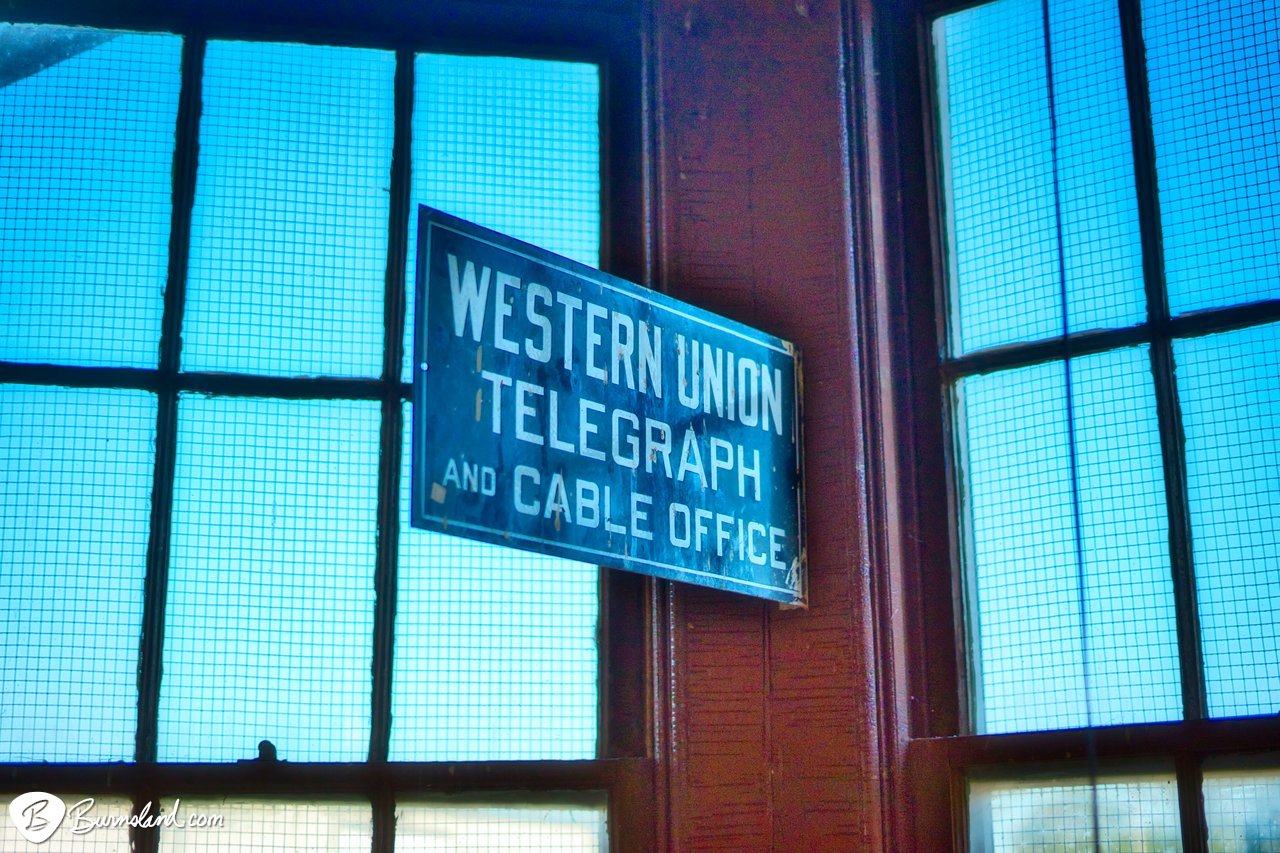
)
(563, 410)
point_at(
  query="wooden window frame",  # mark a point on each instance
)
(921, 684)
(608, 34)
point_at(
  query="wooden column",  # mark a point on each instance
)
(771, 732)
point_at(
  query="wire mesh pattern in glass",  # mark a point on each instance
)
(1069, 470)
(90, 824)
(269, 632)
(1242, 809)
(289, 229)
(1214, 72)
(86, 150)
(268, 538)
(1229, 385)
(481, 828)
(248, 826)
(75, 506)
(1137, 812)
(1038, 174)
(1051, 652)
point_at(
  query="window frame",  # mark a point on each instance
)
(608, 34)
(923, 685)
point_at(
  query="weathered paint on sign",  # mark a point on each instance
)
(563, 410)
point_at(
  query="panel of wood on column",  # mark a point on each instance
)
(774, 722)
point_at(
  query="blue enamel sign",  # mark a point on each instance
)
(562, 410)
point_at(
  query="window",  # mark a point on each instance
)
(208, 250)
(1110, 318)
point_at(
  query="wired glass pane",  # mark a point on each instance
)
(1046, 652)
(496, 655)
(289, 230)
(86, 155)
(1229, 388)
(75, 506)
(268, 629)
(1038, 173)
(511, 144)
(88, 825)
(1242, 810)
(1135, 813)
(252, 826)
(1214, 72)
(269, 624)
(496, 829)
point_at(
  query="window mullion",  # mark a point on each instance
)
(1169, 415)
(385, 572)
(392, 417)
(1162, 362)
(1195, 830)
(151, 649)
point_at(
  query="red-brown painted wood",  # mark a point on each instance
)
(773, 726)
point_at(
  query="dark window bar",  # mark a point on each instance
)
(1191, 816)
(155, 592)
(1163, 368)
(1192, 325)
(1197, 738)
(360, 780)
(386, 570)
(392, 415)
(221, 384)
(1190, 777)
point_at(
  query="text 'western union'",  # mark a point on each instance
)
(495, 308)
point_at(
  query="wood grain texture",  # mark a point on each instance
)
(773, 736)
